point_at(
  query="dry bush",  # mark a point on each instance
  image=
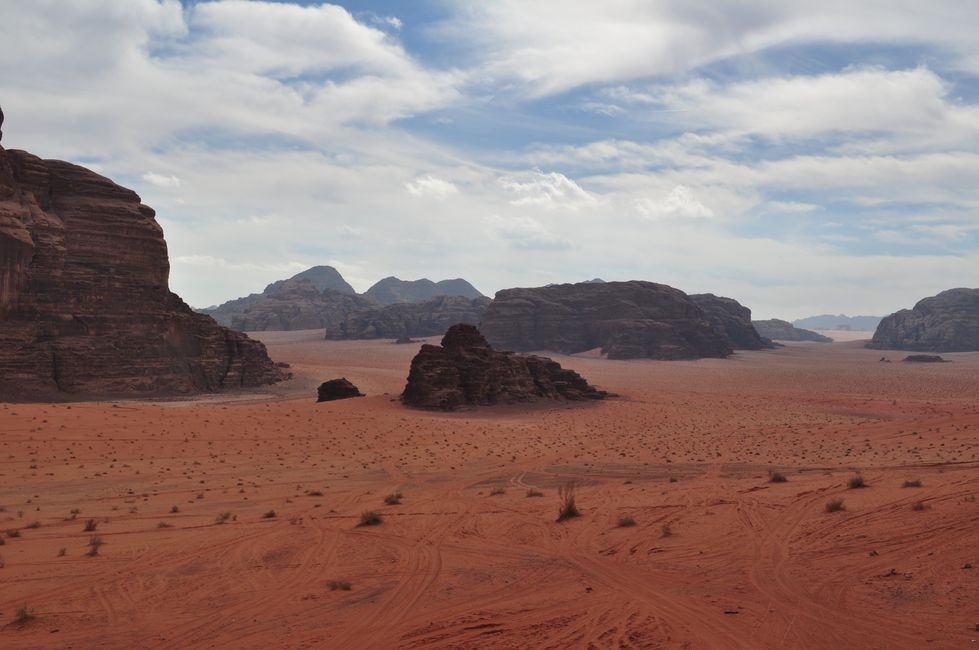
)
(834, 505)
(568, 509)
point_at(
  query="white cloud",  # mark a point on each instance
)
(527, 233)
(431, 186)
(547, 190)
(161, 180)
(680, 203)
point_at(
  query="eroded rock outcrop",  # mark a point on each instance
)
(780, 330)
(405, 320)
(734, 319)
(626, 320)
(392, 290)
(323, 278)
(85, 307)
(298, 305)
(948, 322)
(466, 371)
(335, 389)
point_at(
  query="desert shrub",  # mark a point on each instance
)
(339, 585)
(911, 484)
(315, 493)
(834, 505)
(666, 531)
(33, 524)
(174, 509)
(163, 524)
(919, 506)
(393, 499)
(673, 479)
(13, 532)
(626, 522)
(269, 515)
(62, 551)
(568, 508)
(497, 491)
(94, 544)
(222, 517)
(90, 526)
(24, 615)
(856, 482)
(534, 493)
(369, 518)
(776, 477)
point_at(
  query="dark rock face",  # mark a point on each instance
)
(625, 319)
(948, 322)
(732, 318)
(404, 320)
(298, 305)
(84, 303)
(322, 278)
(466, 371)
(337, 389)
(923, 358)
(391, 290)
(780, 330)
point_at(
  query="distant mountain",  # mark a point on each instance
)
(781, 330)
(321, 277)
(840, 322)
(320, 297)
(392, 290)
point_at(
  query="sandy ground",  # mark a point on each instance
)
(719, 557)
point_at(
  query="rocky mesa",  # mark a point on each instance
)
(405, 320)
(947, 322)
(626, 320)
(84, 298)
(466, 371)
(781, 330)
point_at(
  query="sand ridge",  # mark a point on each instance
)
(718, 556)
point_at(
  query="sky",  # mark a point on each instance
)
(800, 157)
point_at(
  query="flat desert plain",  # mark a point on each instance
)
(232, 521)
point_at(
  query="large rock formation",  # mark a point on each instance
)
(734, 319)
(404, 320)
(948, 322)
(780, 330)
(625, 319)
(466, 371)
(391, 290)
(298, 305)
(85, 309)
(322, 278)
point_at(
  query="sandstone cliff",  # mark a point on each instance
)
(947, 322)
(734, 319)
(84, 304)
(466, 371)
(625, 319)
(405, 320)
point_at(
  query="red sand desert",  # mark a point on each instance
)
(224, 521)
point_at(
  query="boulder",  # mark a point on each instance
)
(924, 358)
(947, 322)
(335, 389)
(625, 320)
(780, 330)
(85, 306)
(466, 371)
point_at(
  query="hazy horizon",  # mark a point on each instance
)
(800, 161)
